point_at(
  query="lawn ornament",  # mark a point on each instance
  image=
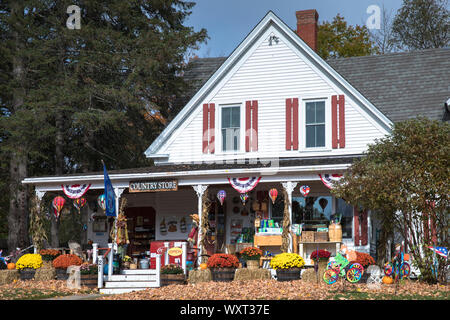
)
(341, 267)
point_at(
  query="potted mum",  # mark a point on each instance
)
(27, 265)
(62, 262)
(172, 274)
(89, 275)
(251, 256)
(288, 266)
(223, 266)
(320, 258)
(49, 255)
(365, 260)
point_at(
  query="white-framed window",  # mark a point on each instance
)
(230, 128)
(315, 122)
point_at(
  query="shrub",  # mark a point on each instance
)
(321, 254)
(171, 269)
(66, 260)
(49, 254)
(29, 260)
(364, 259)
(222, 260)
(287, 260)
(251, 253)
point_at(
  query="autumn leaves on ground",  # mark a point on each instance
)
(237, 290)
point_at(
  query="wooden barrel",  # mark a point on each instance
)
(27, 274)
(89, 280)
(61, 274)
(335, 232)
(222, 274)
(168, 279)
(288, 274)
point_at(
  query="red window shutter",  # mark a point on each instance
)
(208, 138)
(337, 136)
(356, 226)
(361, 227)
(251, 126)
(292, 124)
(364, 229)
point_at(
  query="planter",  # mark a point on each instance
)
(222, 274)
(288, 274)
(61, 274)
(27, 274)
(252, 264)
(89, 280)
(168, 279)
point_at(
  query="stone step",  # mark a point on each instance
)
(139, 271)
(130, 284)
(119, 290)
(132, 277)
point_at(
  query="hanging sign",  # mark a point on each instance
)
(153, 186)
(75, 191)
(243, 185)
(329, 179)
(175, 251)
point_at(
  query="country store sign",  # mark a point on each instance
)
(153, 186)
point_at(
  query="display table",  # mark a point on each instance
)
(306, 248)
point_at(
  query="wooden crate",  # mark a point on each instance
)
(320, 236)
(307, 236)
(273, 240)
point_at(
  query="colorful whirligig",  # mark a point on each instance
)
(304, 190)
(244, 197)
(221, 196)
(58, 203)
(273, 194)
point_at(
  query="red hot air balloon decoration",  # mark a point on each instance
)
(273, 193)
(79, 203)
(58, 203)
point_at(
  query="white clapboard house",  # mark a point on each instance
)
(273, 114)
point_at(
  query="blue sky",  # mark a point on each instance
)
(229, 21)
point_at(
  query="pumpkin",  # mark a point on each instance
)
(11, 266)
(387, 280)
(203, 266)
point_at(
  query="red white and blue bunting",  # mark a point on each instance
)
(329, 179)
(243, 185)
(75, 191)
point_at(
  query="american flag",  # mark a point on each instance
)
(442, 251)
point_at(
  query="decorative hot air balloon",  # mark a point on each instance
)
(304, 190)
(221, 196)
(244, 197)
(58, 203)
(273, 193)
(323, 203)
(101, 202)
(79, 203)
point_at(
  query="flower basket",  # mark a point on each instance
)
(223, 274)
(27, 274)
(288, 274)
(62, 262)
(29, 260)
(251, 253)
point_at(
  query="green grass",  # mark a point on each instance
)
(31, 294)
(356, 295)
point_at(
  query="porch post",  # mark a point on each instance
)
(39, 194)
(199, 189)
(118, 192)
(289, 186)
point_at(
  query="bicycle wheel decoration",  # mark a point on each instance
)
(388, 268)
(330, 276)
(353, 275)
(332, 265)
(405, 269)
(357, 266)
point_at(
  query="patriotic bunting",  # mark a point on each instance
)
(329, 179)
(75, 191)
(243, 185)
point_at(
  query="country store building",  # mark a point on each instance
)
(271, 115)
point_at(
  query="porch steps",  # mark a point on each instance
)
(130, 280)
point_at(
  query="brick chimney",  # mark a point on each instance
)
(307, 26)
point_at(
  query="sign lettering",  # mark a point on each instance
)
(153, 186)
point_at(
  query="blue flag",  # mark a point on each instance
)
(110, 196)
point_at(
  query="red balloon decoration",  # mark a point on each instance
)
(273, 193)
(58, 203)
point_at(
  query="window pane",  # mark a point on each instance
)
(230, 139)
(236, 117)
(320, 112)
(313, 210)
(346, 212)
(320, 135)
(310, 112)
(310, 137)
(226, 117)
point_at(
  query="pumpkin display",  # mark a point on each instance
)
(203, 266)
(387, 280)
(11, 266)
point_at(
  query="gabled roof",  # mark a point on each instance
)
(270, 20)
(401, 85)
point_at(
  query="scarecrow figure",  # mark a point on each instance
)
(193, 238)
